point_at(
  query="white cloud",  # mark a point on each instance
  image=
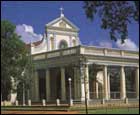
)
(128, 45)
(28, 28)
(27, 33)
(105, 44)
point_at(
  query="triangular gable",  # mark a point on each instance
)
(57, 21)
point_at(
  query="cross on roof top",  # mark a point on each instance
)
(61, 14)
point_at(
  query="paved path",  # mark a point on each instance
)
(39, 112)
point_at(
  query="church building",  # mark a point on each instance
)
(60, 57)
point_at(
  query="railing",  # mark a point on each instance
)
(100, 95)
(56, 53)
(92, 50)
(94, 95)
(112, 95)
(131, 94)
(115, 95)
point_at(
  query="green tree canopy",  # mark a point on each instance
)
(14, 57)
(115, 15)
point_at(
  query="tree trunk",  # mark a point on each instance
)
(13, 95)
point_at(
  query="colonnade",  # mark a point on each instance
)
(79, 87)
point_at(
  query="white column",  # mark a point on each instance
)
(122, 84)
(87, 81)
(48, 42)
(54, 36)
(70, 41)
(97, 90)
(48, 85)
(63, 86)
(78, 84)
(137, 82)
(32, 90)
(36, 86)
(108, 78)
(82, 86)
(75, 83)
(105, 82)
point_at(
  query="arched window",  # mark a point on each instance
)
(63, 44)
(74, 42)
(52, 43)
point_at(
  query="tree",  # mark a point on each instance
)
(115, 15)
(14, 60)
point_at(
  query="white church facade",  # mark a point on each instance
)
(60, 56)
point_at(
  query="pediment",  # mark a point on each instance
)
(63, 23)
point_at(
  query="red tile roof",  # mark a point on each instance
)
(35, 43)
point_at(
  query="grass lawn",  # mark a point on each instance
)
(113, 111)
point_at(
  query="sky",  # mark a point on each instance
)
(30, 18)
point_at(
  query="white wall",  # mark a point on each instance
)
(40, 48)
(62, 37)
